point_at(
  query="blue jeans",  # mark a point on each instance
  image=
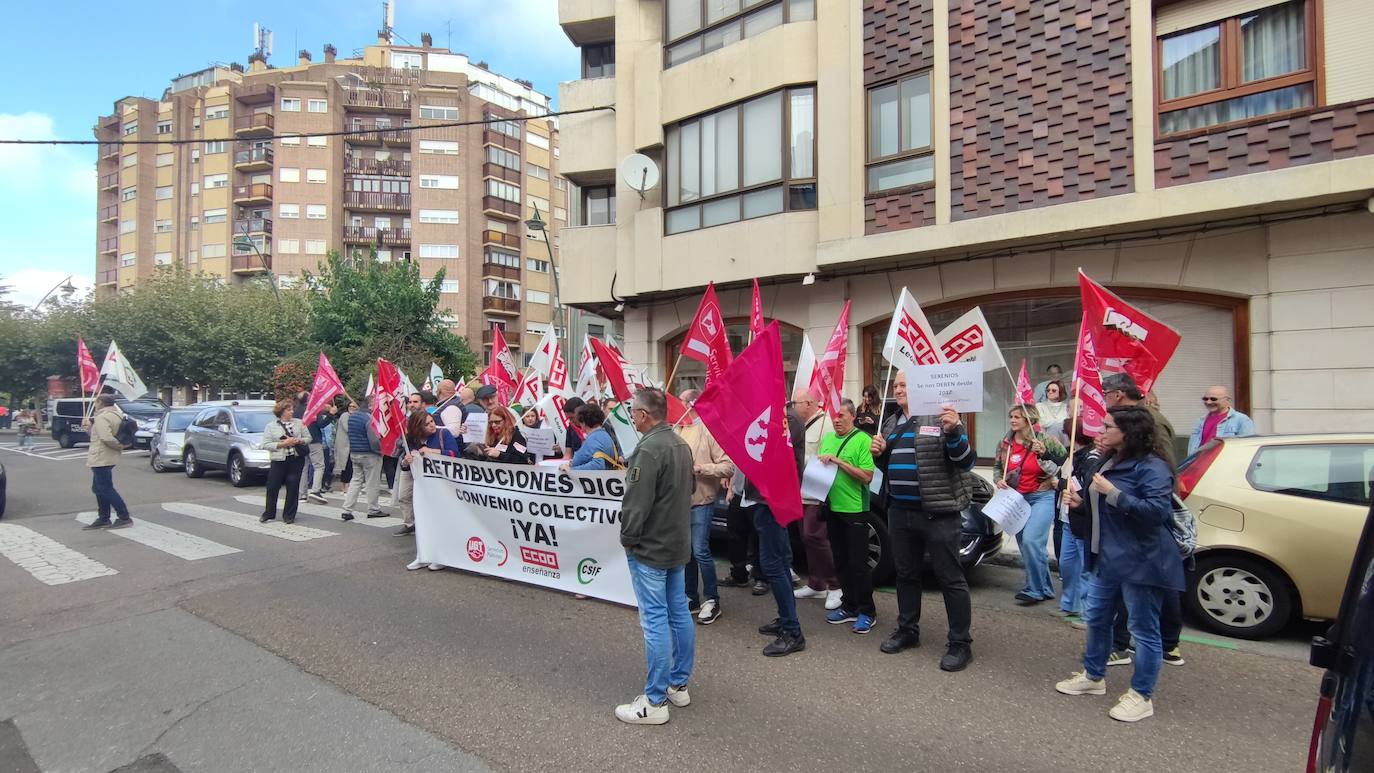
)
(702, 563)
(1143, 603)
(775, 556)
(1071, 575)
(1033, 541)
(106, 498)
(669, 636)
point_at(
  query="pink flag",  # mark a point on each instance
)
(1025, 393)
(706, 340)
(615, 373)
(388, 417)
(744, 410)
(501, 373)
(85, 366)
(755, 313)
(1092, 404)
(322, 390)
(1125, 339)
(828, 378)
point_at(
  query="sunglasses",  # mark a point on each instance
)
(1211, 399)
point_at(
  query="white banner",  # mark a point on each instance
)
(530, 524)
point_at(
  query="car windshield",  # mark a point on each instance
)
(253, 421)
(178, 421)
(142, 410)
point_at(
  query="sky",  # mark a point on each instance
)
(82, 55)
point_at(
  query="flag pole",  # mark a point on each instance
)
(1077, 402)
(882, 408)
(668, 385)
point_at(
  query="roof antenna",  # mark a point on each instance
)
(388, 21)
(262, 41)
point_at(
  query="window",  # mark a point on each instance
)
(195, 189)
(129, 160)
(290, 104)
(560, 214)
(697, 27)
(439, 147)
(195, 155)
(288, 246)
(406, 61)
(195, 222)
(596, 205)
(214, 146)
(164, 159)
(315, 212)
(314, 246)
(503, 157)
(379, 184)
(560, 184)
(439, 112)
(193, 256)
(164, 127)
(217, 112)
(899, 134)
(130, 128)
(288, 211)
(535, 264)
(162, 226)
(290, 140)
(535, 202)
(317, 142)
(596, 331)
(598, 60)
(213, 181)
(499, 257)
(537, 172)
(536, 296)
(162, 193)
(383, 256)
(317, 105)
(314, 175)
(212, 250)
(448, 286)
(215, 216)
(289, 174)
(128, 226)
(497, 288)
(162, 258)
(128, 259)
(1246, 66)
(537, 140)
(438, 216)
(508, 128)
(443, 181)
(438, 250)
(1335, 473)
(503, 190)
(128, 194)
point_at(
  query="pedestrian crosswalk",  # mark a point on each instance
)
(55, 453)
(49, 561)
(333, 513)
(170, 541)
(286, 531)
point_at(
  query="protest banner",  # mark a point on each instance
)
(530, 524)
(956, 384)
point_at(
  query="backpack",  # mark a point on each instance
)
(125, 433)
(1183, 527)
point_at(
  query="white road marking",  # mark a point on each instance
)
(386, 501)
(49, 561)
(276, 529)
(177, 543)
(332, 513)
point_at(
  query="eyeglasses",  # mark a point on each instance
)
(1211, 399)
(1106, 426)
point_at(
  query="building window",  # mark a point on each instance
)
(438, 250)
(537, 140)
(290, 140)
(128, 194)
(128, 259)
(164, 159)
(195, 189)
(508, 128)
(130, 128)
(439, 216)
(195, 155)
(290, 104)
(162, 193)
(129, 160)
(216, 113)
(314, 246)
(442, 181)
(213, 181)
(439, 112)
(162, 226)
(560, 184)
(288, 211)
(503, 157)
(405, 61)
(598, 60)
(162, 258)
(1242, 67)
(697, 27)
(595, 205)
(497, 288)
(317, 142)
(536, 296)
(315, 212)
(560, 214)
(535, 264)
(164, 127)
(193, 256)
(748, 160)
(503, 190)
(314, 175)
(379, 184)
(212, 250)
(214, 146)
(537, 172)
(439, 147)
(288, 246)
(289, 174)
(448, 286)
(900, 153)
(317, 105)
(215, 216)
(596, 331)
(499, 257)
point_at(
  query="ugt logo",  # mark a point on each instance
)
(477, 549)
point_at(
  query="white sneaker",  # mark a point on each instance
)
(807, 592)
(709, 612)
(678, 696)
(1132, 707)
(436, 567)
(1081, 684)
(832, 599)
(413, 565)
(641, 712)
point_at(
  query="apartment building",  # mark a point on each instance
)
(265, 171)
(1210, 160)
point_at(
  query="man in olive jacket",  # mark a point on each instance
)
(104, 453)
(656, 532)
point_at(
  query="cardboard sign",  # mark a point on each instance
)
(958, 385)
(1009, 509)
(539, 440)
(475, 428)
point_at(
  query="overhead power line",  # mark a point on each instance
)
(297, 135)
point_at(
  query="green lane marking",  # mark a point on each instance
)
(1226, 645)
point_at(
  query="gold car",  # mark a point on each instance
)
(1278, 520)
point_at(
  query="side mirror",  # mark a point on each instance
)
(224, 428)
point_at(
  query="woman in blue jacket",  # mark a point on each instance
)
(1131, 553)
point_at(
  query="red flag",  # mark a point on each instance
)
(85, 366)
(706, 340)
(501, 373)
(1125, 338)
(388, 416)
(677, 410)
(615, 373)
(745, 412)
(1092, 404)
(828, 378)
(325, 386)
(1025, 393)
(755, 313)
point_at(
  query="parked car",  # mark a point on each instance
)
(226, 437)
(165, 451)
(980, 538)
(67, 414)
(1278, 520)
(1343, 734)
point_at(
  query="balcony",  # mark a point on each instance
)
(588, 139)
(385, 237)
(257, 193)
(377, 202)
(490, 137)
(501, 173)
(254, 125)
(109, 214)
(503, 239)
(494, 305)
(253, 225)
(107, 277)
(587, 21)
(109, 182)
(378, 134)
(250, 263)
(109, 150)
(109, 245)
(391, 166)
(259, 94)
(499, 271)
(499, 207)
(253, 159)
(378, 101)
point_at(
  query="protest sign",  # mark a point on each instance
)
(958, 385)
(817, 479)
(475, 427)
(1009, 509)
(539, 440)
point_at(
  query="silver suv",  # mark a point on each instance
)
(165, 452)
(226, 438)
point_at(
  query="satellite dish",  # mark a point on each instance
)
(639, 172)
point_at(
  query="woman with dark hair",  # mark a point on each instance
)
(1071, 529)
(867, 417)
(1028, 461)
(1131, 553)
(423, 438)
(573, 439)
(504, 443)
(1054, 410)
(599, 450)
(286, 439)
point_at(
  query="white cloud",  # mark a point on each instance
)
(28, 285)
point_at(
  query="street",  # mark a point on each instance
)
(200, 640)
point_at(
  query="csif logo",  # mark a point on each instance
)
(587, 570)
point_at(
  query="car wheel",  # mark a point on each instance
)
(65, 439)
(192, 464)
(879, 550)
(155, 461)
(238, 472)
(1239, 596)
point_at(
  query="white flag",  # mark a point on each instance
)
(910, 341)
(619, 421)
(551, 410)
(587, 387)
(119, 375)
(548, 362)
(968, 339)
(371, 386)
(806, 365)
(436, 374)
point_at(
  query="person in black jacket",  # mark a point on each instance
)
(925, 462)
(504, 443)
(315, 490)
(775, 555)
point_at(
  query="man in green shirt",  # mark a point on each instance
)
(846, 507)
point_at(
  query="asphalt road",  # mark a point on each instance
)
(323, 653)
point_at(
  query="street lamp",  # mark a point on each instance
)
(243, 240)
(538, 225)
(65, 286)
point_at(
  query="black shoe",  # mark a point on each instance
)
(693, 606)
(956, 658)
(105, 524)
(728, 581)
(404, 531)
(347, 516)
(264, 518)
(771, 629)
(785, 644)
(122, 523)
(288, 520)
(1027, 600)
(900, 640)
(760, 587)
(375, 514)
